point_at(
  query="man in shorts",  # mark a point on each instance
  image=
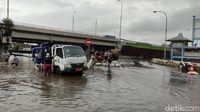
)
(6, 56)
(15, 61)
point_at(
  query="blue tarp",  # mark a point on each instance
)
(39, 51)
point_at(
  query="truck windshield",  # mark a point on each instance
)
(71, 51)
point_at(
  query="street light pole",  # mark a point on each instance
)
(120, 27)
(73, 20)
(7, 9)
(95, 28)
(165, 30)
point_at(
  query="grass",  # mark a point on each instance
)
(145, 46)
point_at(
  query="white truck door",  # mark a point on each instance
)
(59, 56)
(53, 50)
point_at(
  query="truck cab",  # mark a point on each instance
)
(68, 58)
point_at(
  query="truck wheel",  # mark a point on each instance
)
(80, 73)
(58, 71)
(54, 69)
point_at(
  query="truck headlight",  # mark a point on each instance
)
(67, 65)
(85, 63)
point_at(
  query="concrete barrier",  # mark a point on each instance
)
(174, 64)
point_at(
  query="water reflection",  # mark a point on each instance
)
(109, 75)
(131, 89)
(62, 86)
(45, 86)
(178, 78)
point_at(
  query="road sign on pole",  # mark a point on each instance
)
(88, 42)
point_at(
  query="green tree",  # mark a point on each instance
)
(7, 24)
(17, 46)
(7, 31)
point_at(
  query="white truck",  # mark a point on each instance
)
(68, 58)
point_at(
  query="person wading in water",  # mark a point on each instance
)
(15, 61)
(47, 64)
(109, 60)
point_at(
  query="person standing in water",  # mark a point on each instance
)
(109, 58)
(6, 56)
(47, 64)
(15, 61)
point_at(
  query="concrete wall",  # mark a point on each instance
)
(142, 52)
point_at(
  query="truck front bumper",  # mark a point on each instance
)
(76, 68)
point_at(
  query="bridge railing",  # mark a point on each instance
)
(185, 53)
(60, 30)
(57, 29)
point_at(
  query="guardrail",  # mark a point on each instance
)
(184, 54)
(56, 29)
(91, 35)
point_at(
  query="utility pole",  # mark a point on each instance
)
(7, 9)
(120, 27)
(165, 49)
(95, 28)
(73, 20)
(193, 30)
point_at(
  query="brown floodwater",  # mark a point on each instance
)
(125, 89)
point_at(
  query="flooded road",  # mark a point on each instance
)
(125, 89)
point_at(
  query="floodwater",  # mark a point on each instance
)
(126, 89)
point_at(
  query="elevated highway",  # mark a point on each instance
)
(38, 34)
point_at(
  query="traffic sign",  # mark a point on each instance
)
(88, 42)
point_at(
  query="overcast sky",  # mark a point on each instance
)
(139, 21)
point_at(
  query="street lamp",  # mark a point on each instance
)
(165, 30)
(95, 29)
(73, 20)
(120, 27)
(7, 9)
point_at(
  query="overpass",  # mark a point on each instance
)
(37, 34)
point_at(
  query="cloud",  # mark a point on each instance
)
(60, 3)
(139, 22)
